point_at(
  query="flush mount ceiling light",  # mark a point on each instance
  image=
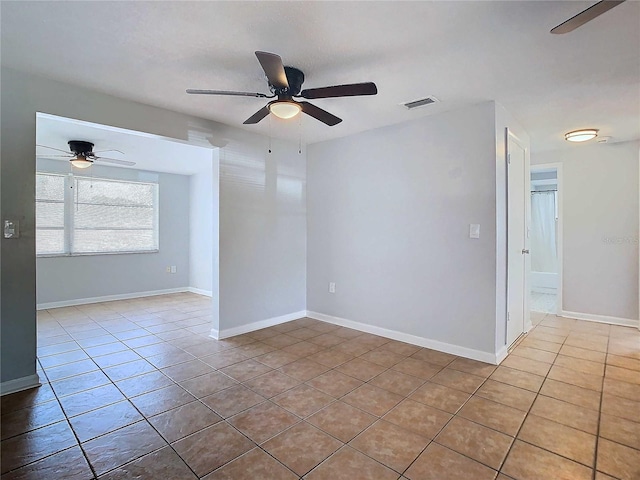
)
(284, 109)
(581, 135)
(81, 162)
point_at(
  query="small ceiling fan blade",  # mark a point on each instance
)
(112, 160)
(110, 150)
(351, 90)
(586, 16)
(53, 148)
(54, 156)
(225, 92)
(273, 69)
(256, 117)
(320, 114)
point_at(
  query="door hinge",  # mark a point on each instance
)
(508, 316)
(508, 158)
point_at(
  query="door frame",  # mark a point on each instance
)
(558, 168)
(509, 135)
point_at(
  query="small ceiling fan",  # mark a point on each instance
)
(81, 154)
(286, 83)
(586, 16)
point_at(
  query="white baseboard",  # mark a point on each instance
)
(625, 322)
(501, 355)
(409, 338)
(19, 384)
(252, 327)
(199, 291)
(109, 298)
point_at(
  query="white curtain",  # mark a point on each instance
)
(544, 256)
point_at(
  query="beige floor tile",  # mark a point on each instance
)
(417, 368)
(302, 447)
(583, 354)
(390, 444)
(571, 394)
(341, 420)
(372, 399)
(256, 349)
(34, 445)
(253, 465)
(182, 421)
(474, 367)
(480, 443)
(534, 354)
(566, 414)
(527, 462)
(349, 464)
(330, 358)
(623, 374)
(121, 446)
(623, 362)
(440, 463)
(557, 438)
(103, 420)
(459, 380)
(271, 384)
(618, 460)
(527, 365)
(385, 358)
(400, 348)
(620, 430)
(263, 421)
(277, 358)
(441, 397)
(327, 340)
(397, 382)
(144, 383)
(303, 348)
(196, 449)
(245, 370)
(621, 407)
(164, 463)
(303, 369)
(303, 400)
(361, 369)
(434, 357)
(161, 400)
(517, 378)
(630, 391)
(580, 365)
(493, 415)
(187, 370)
(541, 345)
(514, 397)
(225, 358)
(418, 418)
(231, 401)
(69, 464)
(335, 383)
(207, 384)
(78, 383)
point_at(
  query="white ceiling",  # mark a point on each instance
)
(460, 52)
(149, 152)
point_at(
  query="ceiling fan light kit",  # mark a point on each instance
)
(81, 162)
(81, 154)
(582, 135)
(285, 83)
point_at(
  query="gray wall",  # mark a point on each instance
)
(388, 221)
(71, 278)
(202, 216)
(278, 239)
(600, 227)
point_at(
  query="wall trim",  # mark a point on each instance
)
(625, 322)
(199, 291)
(252, 327)
(501, 355)
(409, 338)
(19, 384)
(109, 298)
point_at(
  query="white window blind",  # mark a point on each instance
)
(99, 216)
(50, 213)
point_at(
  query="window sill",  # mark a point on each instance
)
(91, 254)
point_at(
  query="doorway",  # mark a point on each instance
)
(545, 236)
(518, 265)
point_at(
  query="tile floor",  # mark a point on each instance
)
(543, 302)
(136, 389)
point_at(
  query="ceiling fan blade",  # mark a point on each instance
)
(110, 150)
(54, 156)
(351, 90)
(320, 114)
(224, 92)
(113, 160)
(273, 69)
(256, 117)
(53, 148)
(586, 16)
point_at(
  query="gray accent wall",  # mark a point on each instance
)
(600, 227)
(262, 236)
(388, 222)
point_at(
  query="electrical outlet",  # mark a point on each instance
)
(168, 269)
(332, 287)
(174, 269)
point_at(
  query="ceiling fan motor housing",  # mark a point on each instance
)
(80, 147)
(295, 78)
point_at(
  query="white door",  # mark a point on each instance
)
(517, 244)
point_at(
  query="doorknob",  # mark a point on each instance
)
(525, 251)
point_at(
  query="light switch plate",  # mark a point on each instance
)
(11, 229)
(474, 230)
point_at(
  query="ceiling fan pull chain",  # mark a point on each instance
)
(269, 133)
(300, 134)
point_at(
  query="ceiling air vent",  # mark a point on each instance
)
(419, 103)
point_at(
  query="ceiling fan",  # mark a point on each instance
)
(81, 154)
(286, 83)
(586, 16)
